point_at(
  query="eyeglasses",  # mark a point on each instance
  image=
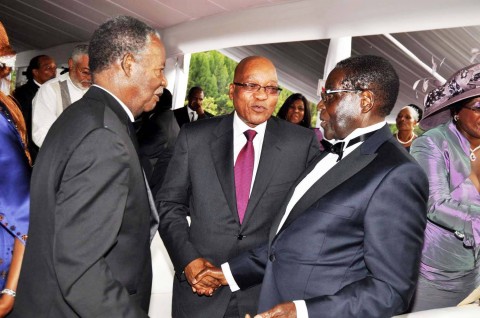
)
(475, 108)
(327, 95)
(251, 87)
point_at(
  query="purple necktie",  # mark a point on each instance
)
(243, 173)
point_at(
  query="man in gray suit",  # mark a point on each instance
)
(88, 251)
(203, 182)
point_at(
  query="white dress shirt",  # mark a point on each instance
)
(192, 115)
(47, 105)
(125, 108)
(239, 140)
(322, 167)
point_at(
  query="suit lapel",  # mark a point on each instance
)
(341, 172)
(222, 152)
(276, 222)
(271, 151)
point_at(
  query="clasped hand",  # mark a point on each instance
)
(204, 277)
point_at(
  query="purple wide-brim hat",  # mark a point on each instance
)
(464, 84)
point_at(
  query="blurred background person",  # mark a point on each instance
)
(157, 132)
(41, 68)
(450, 154)
(14, 185)
(295, 110)
(193, 111)
(54, 96)
(407, 119)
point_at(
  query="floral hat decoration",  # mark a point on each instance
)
(464, 84)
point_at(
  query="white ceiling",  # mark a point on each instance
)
(40, 24)
(293, 33)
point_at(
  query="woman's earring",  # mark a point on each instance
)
(455, 118)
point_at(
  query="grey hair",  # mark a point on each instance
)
(115, 38)
(413, 111)
(79, 51)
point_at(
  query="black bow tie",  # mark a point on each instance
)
(338, 147)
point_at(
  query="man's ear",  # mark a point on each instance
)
(127, 63)
(70, 64)
(231, 88)
(368, 101)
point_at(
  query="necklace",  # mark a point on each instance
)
(405, 142)
(472, 153)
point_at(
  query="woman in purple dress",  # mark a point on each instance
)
(14, 185)
(450, 154)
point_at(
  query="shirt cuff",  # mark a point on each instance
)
(229, 277)
(301, 308)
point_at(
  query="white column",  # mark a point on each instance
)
(338, 49)
(177, 69)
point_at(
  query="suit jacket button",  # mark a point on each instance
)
(240, 237)
(272, 257)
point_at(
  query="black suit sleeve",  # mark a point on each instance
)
(248, 268)
(90, 208)
(393, 224)
(173, 207)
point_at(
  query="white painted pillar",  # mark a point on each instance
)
(176, 72)
(338, 49)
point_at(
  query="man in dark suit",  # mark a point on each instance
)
(40, 69)
(193, 111)
(203, 182)
(88, 249)
(349, 240)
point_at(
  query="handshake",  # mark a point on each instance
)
(204, 277)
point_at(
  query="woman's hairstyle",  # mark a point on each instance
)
(307, 117)
(18, 121)
(418, 110)
(12, 108)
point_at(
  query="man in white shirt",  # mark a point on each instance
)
(59, 93)
(349, 238)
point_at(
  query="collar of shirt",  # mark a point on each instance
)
(323, 166)
(239, 140)
(358, 132)
(190, 112)
(125, 108)
(37, 83)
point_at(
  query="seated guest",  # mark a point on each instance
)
(14, 185)
(42, 68)
(295, 110)
(157, 132)
(449, 153)
(407, 119)
(348, 238)
(193, 110)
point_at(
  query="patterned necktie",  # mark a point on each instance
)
(243, 173)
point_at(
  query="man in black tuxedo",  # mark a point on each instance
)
(203, 182)
(350, 234)
(193, 111)
(88, 251)
(40, 69)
